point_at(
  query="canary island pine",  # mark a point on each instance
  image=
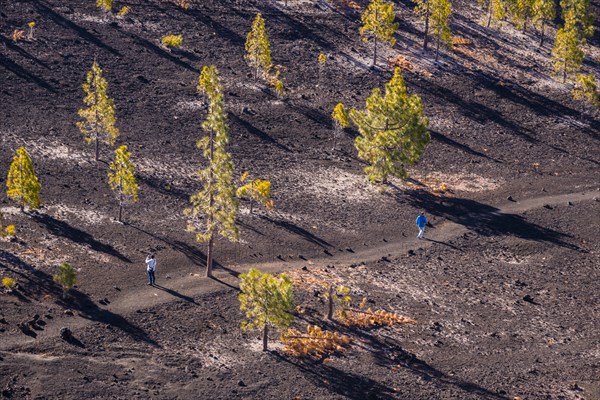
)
(22, 182)
(544, 11)
(66, 277)
(121, 179)
(393, 130)
(495, 9)
(267, 301)
(378, 24)
(567, 54)
(105, 5)
(577, 15)
(214, 208)
(257, 190)
(440, 14)
(258, 48)
(586, 90)
(340, 122)
(99, 116)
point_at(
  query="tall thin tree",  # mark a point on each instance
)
(99, 117)
(121, 179)
(258, 48)
(22, 182)
(214, 208)
(378, 24)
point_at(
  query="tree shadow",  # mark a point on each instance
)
(63, 229)
(257, 132)
(175, 293)
(484, 219)
(48, 12)
(347, 384)
(87, 308)
(21, 72)
(451, 142)
(196, 256)
(39, 282)
(388, 353)
(161, 186)
(293, 228)
(219, 28)
(33, 282)
(157, 50)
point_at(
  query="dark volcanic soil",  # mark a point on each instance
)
(504, 293)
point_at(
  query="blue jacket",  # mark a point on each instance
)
(421, 221)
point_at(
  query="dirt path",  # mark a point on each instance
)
(189, 287)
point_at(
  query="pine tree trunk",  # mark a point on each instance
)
(211, 202)
(330, 304)
(97, 149)
(375, 52)
(120, 212)
(543, 26)
(265, 337)
(489, 21)
(375, 41)
(209, 258)
(21, 180)
(525, 25)
(437, 48)
(426, 38)
(565, 71)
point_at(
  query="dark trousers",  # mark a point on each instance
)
(151, 279)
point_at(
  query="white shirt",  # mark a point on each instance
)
(151, 263)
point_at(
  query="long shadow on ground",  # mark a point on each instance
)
(63, 229)
(484, 219)
(388, 353)
(35, 283)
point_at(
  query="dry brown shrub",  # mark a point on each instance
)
(314, 343)
(363, 318)
(461, 41)
(401, 62)
(350, 4)
(18, 34)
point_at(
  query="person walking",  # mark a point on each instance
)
(151, 269)
(421, 222)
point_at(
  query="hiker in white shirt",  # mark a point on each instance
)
(151, 269)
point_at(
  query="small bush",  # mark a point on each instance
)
(66, 277)
(172, 41)
(18, 34)
(8, 283)
(123, 11)
(11, 230)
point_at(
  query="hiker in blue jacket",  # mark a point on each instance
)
(421, 222)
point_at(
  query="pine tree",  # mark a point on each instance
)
(543, 12)
(23, 185)
(340, 121)
(99, 117)
(258, 52)
(586, 90)
(393, 130)
(423, 11)
(522, 12)
(258, 190)
(105, 5)
(268, 302)
(66, 277)
(378, 24)
(121, 179)
(440, 13)
(566, 54)
(496, 10)
(214, 208)
(577, 15)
